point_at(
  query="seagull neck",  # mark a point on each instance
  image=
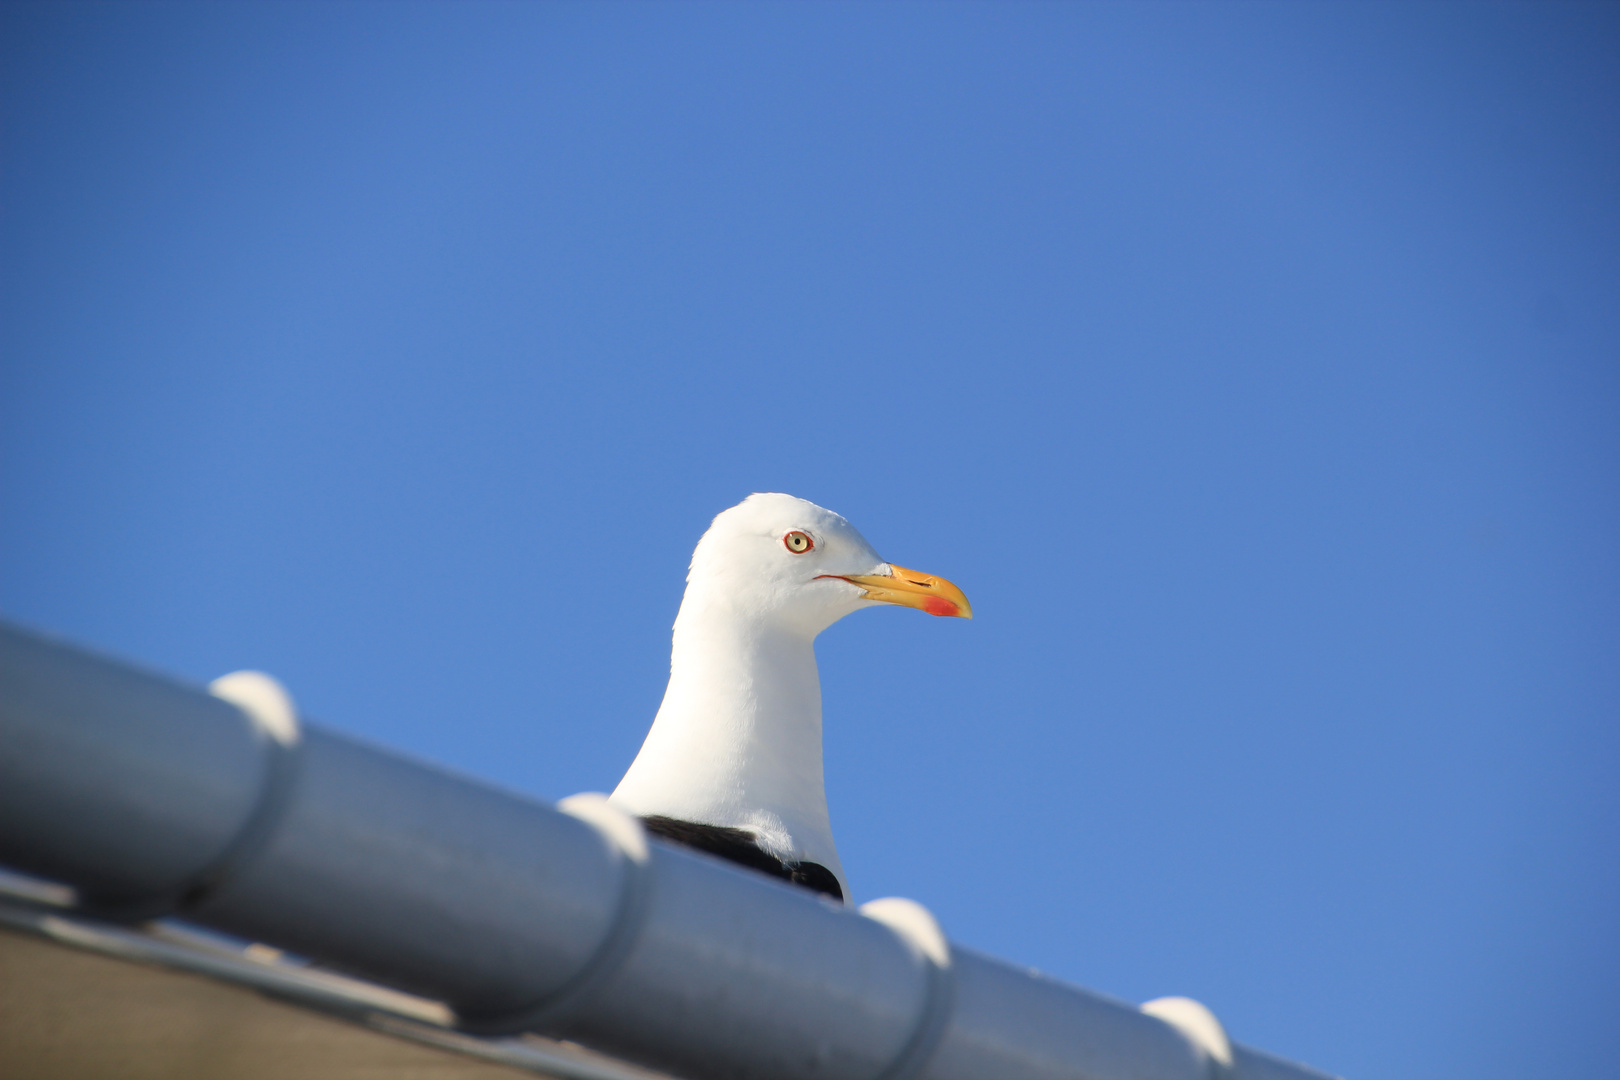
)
(737, 740)
(750, 680)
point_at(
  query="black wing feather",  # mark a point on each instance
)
(738, 846)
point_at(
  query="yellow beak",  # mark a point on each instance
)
(908, 588)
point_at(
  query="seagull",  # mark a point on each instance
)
(732, 764)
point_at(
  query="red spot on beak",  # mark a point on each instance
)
(936, 606)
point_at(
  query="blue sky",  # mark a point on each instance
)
(1253, 369)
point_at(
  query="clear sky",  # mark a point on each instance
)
(1255, 370)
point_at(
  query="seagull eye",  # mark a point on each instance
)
(798, 542)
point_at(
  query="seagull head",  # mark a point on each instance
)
(786, 561)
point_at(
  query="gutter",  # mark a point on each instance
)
(154, 799)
